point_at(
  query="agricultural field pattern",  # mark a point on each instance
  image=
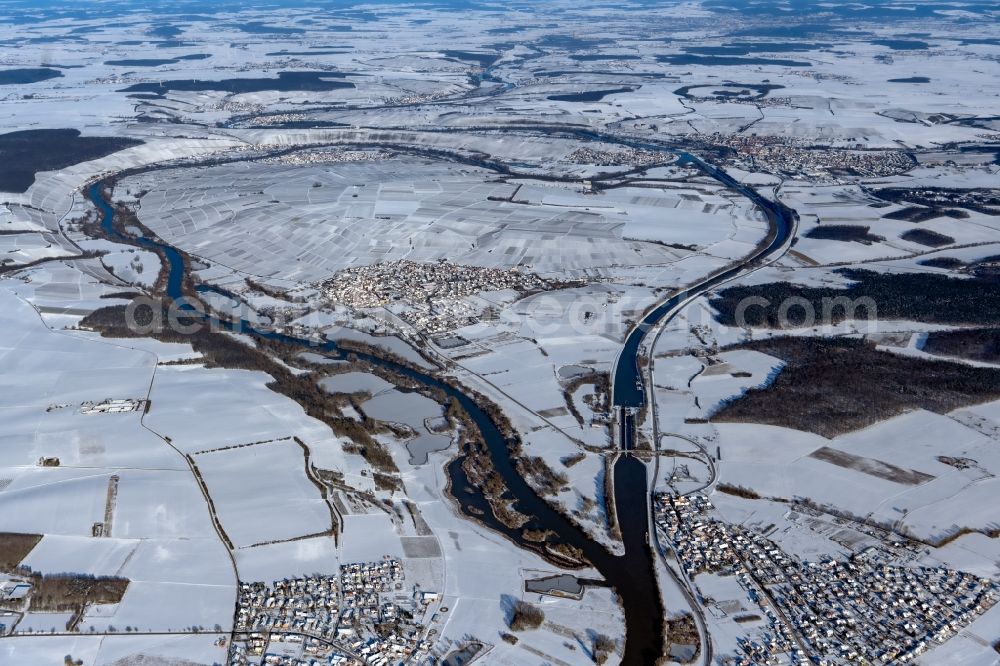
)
(649, 333)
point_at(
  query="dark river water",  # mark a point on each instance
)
(630, 575)
(628, 388)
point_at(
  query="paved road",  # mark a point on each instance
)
(628, 389)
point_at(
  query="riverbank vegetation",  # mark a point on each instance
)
(683, 631)
(524, 616)
(221, 350)
(597, 402)
(602, 647)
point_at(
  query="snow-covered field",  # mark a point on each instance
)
(484, 143)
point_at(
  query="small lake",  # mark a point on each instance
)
(355, 382)
(424, 444)
(408, 408)
(574, 371)
(414, 410)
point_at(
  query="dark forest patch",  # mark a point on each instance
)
(746, 48)
(950, 263)
(260, 28)
(871, 466)
(925, 297)
(63, 592)
(282, 53)
(141, 62)
(481, 59)
(686, 59)
(902, 44)
(847, 233)
(830, 386)
(286, 81)
(741, 90)
(27, 75)
(976, 344)
(597, 57)
(927, 237)
(27, 152)
(588, 96)
(919, 214)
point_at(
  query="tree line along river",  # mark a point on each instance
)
(631, 575)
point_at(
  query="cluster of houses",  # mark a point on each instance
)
(361, 616)
(309, 606)
(325, 155)
(296, 650)
(985, 201)
(428, 296)
(858, 610)
(878, 613)
(746, 99)
(790, 157)
(397, 648)
(631, 157)
(363, 586)
(413, 98)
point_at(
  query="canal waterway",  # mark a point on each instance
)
(630, 575)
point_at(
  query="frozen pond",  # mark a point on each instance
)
(390, 343)
(419, 447)
(561, 584)
(398, 407)
(414, 410)
(354, 382)
(319, 359)
(574, 371)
